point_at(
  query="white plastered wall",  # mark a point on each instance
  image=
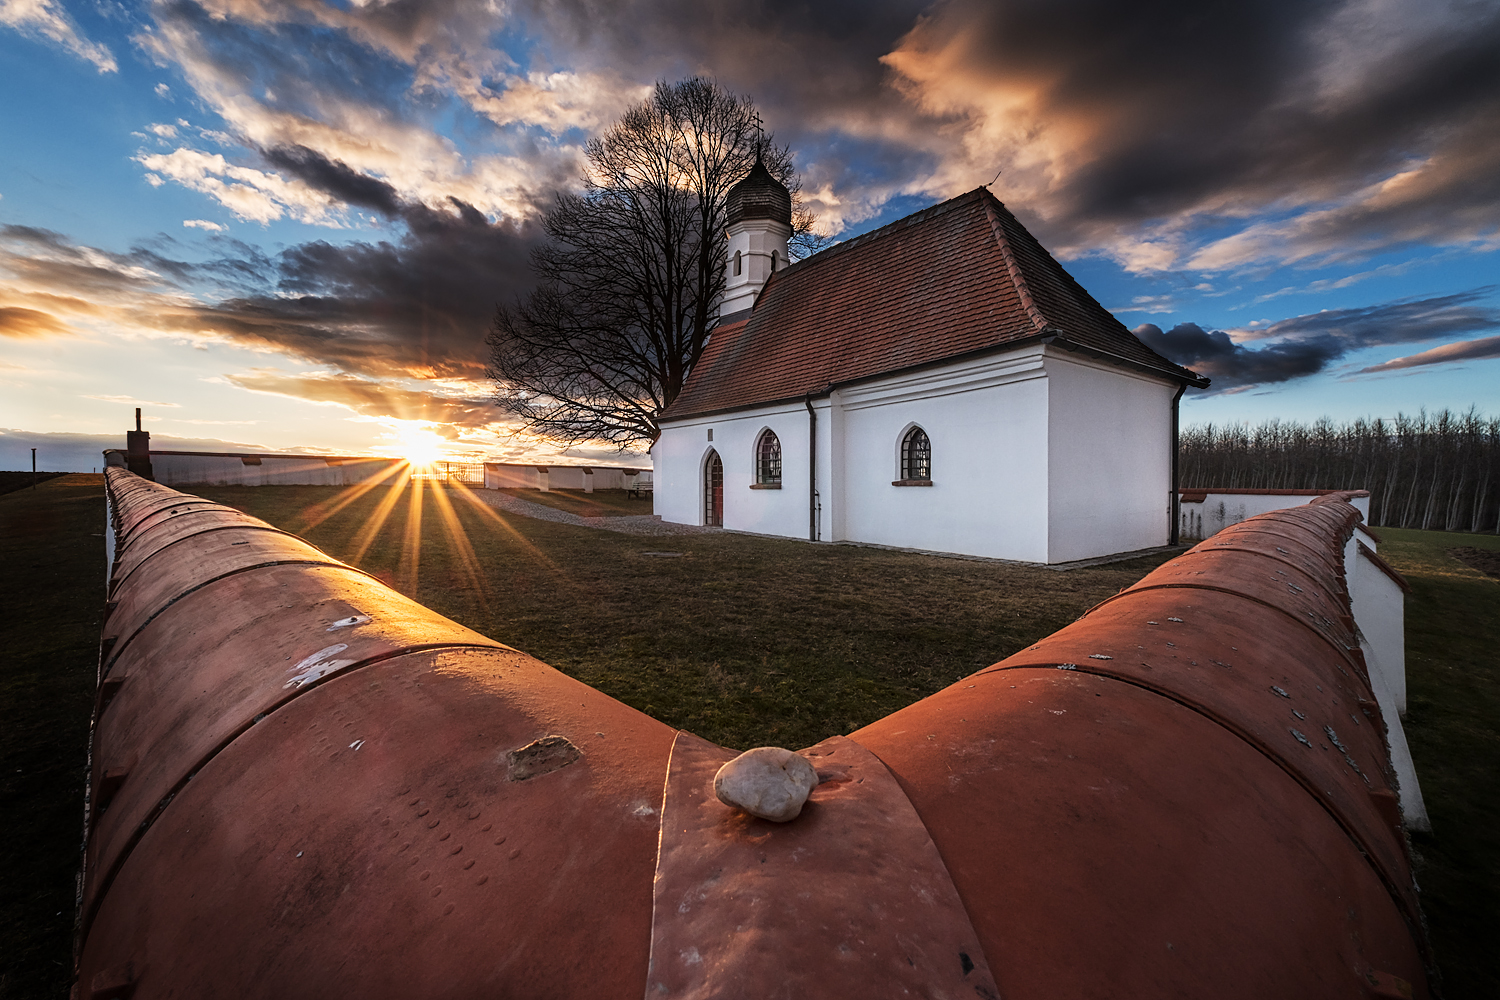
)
(1378, 603)
(1110, 463)
(993, 422)
(231, 470)
(678, 459)
(986, 420)
(755, 240)
(1217, 511)
(506, 476)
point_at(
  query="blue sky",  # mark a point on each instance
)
(285, 223)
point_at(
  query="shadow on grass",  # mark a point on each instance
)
(1453, 725)
(600, 503)
(52, 592)
(744, 640)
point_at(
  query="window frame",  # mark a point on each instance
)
(767, 468)
(914, 457)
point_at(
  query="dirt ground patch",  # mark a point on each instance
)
(1487, 561)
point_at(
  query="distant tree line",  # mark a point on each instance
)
(1435, 471)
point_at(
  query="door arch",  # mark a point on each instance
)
(713, 490)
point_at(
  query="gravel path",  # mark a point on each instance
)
(631, 524)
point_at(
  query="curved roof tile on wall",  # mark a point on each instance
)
(306, 784)
(959, 277)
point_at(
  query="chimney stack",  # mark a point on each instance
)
(138, 449)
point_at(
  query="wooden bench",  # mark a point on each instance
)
(638, 490)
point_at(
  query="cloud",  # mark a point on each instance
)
(416, 306)
(51, 21)
(1141, 130)
(1399, 322)
(1463, 350)
(374, 399)
(252, 195)
(1306, 345)
(17, 321)
(212, 227)
(1169, 136)
(72, 452)
(377, 97)
(132, 401)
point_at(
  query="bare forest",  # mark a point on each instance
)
(1434, 470)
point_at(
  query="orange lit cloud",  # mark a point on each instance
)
(16, 321)
(1463, 350)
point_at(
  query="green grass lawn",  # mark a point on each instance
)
(12, 481)
(600, 503)
(742, 639)
(52, 592)
(1453, 725)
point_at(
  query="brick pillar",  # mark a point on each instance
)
(138, 449)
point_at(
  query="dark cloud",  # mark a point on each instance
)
(373, 399)
(1233, 366)
(1307, 345)
(49, 260)
(421, 305)
(337, 179)
(1175, 106)
(1402, 322)
(1463, 350)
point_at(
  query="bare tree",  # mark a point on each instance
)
(1425, 471)
(634, 268)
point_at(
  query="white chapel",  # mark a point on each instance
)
(940, 383)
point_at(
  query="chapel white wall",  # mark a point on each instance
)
(986, 421)
(679, 455)
(1109, 477)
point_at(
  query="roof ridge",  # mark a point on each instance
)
(1014, 266)
(930, 212)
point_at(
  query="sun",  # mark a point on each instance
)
(420, 446)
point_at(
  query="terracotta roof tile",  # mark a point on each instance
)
(958, 277)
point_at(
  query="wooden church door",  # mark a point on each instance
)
(713, 491)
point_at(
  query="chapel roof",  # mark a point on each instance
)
(956, 278)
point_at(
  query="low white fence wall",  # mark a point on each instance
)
(510, 476)
(184, 468)
(1204, 513)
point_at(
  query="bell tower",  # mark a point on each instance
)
(760, 224)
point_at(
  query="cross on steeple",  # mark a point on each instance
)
(759, 130)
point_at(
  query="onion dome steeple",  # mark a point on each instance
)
(760, 196)
(759, 214)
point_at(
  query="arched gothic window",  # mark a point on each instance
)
(775, 259)
(916, 455)
(768, 458)
(713, 490)
(738, 264)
